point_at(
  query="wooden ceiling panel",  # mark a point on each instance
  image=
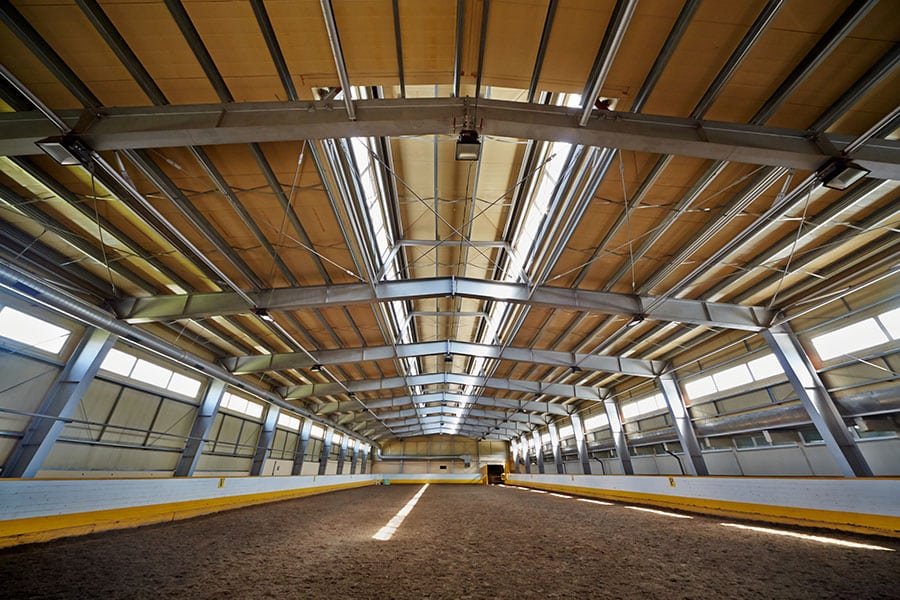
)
(300, 29)
(577, 32)
(513, 37)
(428, 30)
(366, 29)
(153, 35)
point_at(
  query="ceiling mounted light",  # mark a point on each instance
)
(66, 150)
(263, 314)
(468, 147)
(448, 358)
(635, 320)
(316, 368)
(841, 173)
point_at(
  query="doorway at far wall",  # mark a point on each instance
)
(495, 474)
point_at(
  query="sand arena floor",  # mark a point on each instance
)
(457, 542)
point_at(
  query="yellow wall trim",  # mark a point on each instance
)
(806, 517)
(42, 529)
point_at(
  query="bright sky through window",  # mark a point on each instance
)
(25, 329)
(849, 339)
(126, 365)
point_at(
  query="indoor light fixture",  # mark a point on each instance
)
(65, 149)
(635, 320)
(263, 314)
(316, 368)
(841, 173)
(448, 358)
(468, 147)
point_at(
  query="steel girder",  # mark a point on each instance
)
(588, 362)
(580, 392)
(461, 399)
(495, 415)
(234, 123)
(197, 306)
(450, 421)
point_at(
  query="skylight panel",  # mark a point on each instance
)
(849, 339)
(183, 384)
(317, 431)
(891, 321)
(25, 329)
(151, 373)
(700, 387)
(764, 367)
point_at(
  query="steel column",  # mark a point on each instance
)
(326, 450)
(354, 458)
(618, 434)
(264, 443)
(364, 461)
(526, 460)
(59, 404)
(671, 391)
(342, 456)
(538, 450)
(554, 443)
(581, 443)
(302, 445)
(816, 400)
(203, 422)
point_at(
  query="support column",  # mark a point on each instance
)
(203, 422)
(525, 459)
(326, 450)
(668, 385)
(581, 443)
(302, 445)
(554, 446)
(354, 458)
(514, 450)
(538, 450)
(364, 461)
(264, 443)
(59, 404)
(342, 457)
(618, 433)
(816, 400)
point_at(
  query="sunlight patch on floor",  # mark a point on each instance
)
(812, 538)
(386, 532)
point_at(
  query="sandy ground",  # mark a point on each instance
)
(458, 542)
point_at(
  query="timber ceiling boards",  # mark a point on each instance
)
(240, 201)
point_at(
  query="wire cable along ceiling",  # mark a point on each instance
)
(475, 218)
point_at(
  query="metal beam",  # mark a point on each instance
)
(199, 306)
(609, 47)
(526, 462)
(203, 422)
(233, 123)
(581, 443)
(363, 461)
(354, 458)
(671, 391)
(448, 421)
(618, 434)
(554, 446)
(816, 400)
(464, 400)
(335, 41)
(264, 442)
(579, 392)
(494, 415)
(60, 403)
(587, 362)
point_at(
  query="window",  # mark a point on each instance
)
(757, 369)
(336, 439)
(643, 406)
(316, 431)
(567, 431)
(288, 422)
(733, 377)
(545, 438)
(595, 422)
(25, 329)
(132, 367)
(241, 405)
(843, 341)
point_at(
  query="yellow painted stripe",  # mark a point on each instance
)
(474, 480)
(42, 529)
(806, 517)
